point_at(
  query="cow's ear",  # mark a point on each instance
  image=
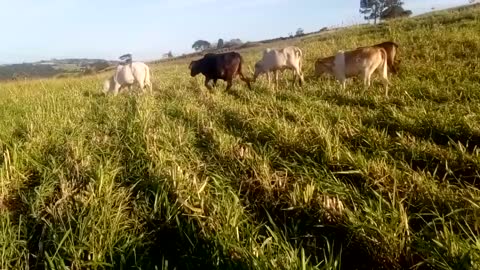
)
(190, 66)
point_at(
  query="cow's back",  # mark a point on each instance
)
(292, 50)
(274, 58)
(209, 65)
(230, 58)
(293, 54)
(387, 45)
(124, 75)
(362, 58)
(219, 65)
(140, 71)
(288, 56)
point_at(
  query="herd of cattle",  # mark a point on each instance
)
(363, 62)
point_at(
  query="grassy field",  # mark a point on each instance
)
(301, 178)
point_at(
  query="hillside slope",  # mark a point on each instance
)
(47, 69)
(301, 178)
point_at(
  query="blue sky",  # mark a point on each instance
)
(43, 29)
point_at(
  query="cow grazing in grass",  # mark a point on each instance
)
(359, 62)
(126, 75)
(223, 66)
(391, 48)
(274, 60)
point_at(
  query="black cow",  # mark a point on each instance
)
(224, 66)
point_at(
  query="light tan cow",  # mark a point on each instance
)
(275, 60)
(359, 62)
(391, 48)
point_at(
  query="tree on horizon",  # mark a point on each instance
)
(220, 43)
(201, 45)
(300, 32)
(374, 9)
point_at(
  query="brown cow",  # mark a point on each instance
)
(391, 49)
(360, 62)
(224, 66)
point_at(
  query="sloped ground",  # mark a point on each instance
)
(302, 178)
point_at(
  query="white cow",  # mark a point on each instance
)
(126, 75)
(275, 60)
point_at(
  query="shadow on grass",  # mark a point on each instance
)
(307, 227)
(91, 94)
(440, 160)
(176, 240)
(454, 169)
(33, 226)
(428, 130)
(344, 100)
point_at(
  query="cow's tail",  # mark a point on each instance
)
(339, 66)
(392, 65)
(384, 63)
(385, 70)
(299, 54)
(240, 73)
(148, 83)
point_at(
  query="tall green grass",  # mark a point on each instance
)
(300, 178)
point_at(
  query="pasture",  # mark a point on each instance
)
(301, 178)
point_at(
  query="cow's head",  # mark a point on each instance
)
(194, 68)
(111, 86)
(108, 85)
(259, 70)
(323, 66)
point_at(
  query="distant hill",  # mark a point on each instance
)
(54, 67)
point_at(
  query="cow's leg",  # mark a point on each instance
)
(269, 78)
(368, 79)
(365, 79)
(142, 86)
(229, 83)
(242, 77)
(276, 79)
(302, 78)
(384, 76)
(343, 83)
(300, 68)
(116, 89)
(131, 89)
(123, 87)
(386, 83)
(295, 74)
(366, 74)
(299, 74)
(282, 77)
(207, 81)
(215, 83)
(148, 85)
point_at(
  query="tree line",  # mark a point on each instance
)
(201, 45)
